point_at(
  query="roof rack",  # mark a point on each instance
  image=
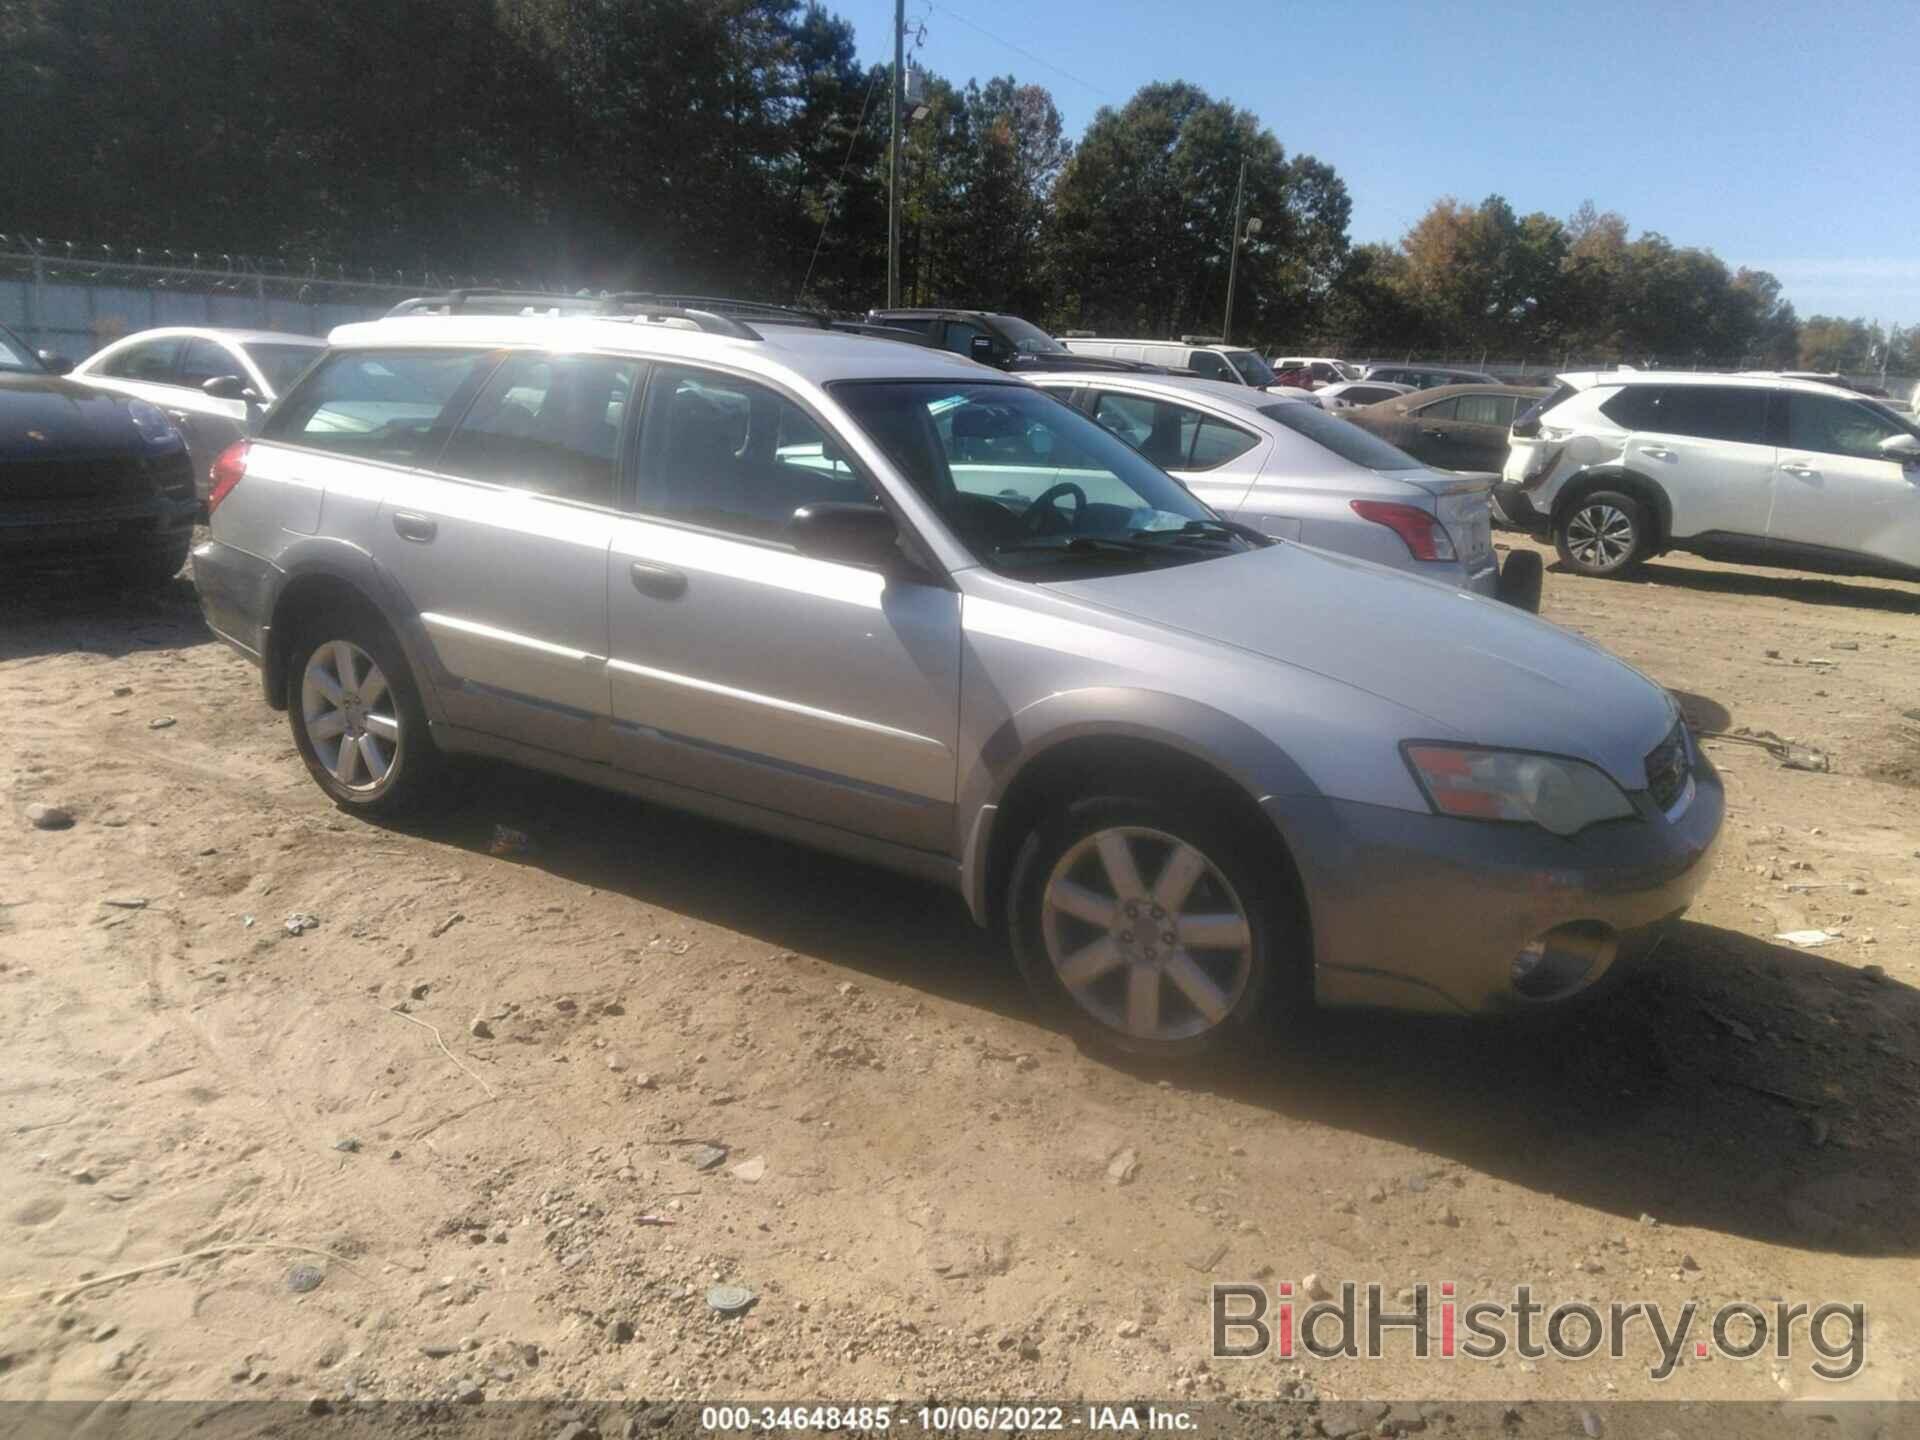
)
(490, 300)
(722, 305)
(716, 315)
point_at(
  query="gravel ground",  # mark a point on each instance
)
(517, 1108)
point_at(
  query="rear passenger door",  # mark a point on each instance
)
(500, 545)
(1708, 447)
(744, 669)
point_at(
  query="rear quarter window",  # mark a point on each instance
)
(394, 406)
(1342, 437)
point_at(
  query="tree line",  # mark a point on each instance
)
(739, 147)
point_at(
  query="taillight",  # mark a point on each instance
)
(1426, 537)
(226, 473)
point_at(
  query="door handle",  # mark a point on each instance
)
(1656, 452)
(1434, 434)
(1799, 471)
(417, 528)
(659, 581)
(179, 417)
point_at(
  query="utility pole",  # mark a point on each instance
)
(1233, 259)
(893, 158)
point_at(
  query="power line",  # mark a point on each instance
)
(852, 140)
(1038, 60)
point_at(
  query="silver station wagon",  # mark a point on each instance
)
(883, 600)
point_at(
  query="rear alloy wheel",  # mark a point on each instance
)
(1148, 926)
(1603, 534)
(357, 719)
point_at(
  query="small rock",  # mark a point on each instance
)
(1127, 1329)
(82, 1177)
(1315, 1289)
(1123, 1167)
(420, 991)
(125, 902)
(1376, 1194)
(845, 988)
(300, 922)
(752, 1171)
(1417, 1184)
(319, 1405)
(1646, 1219)
(302, 1278)
(706, 1157)
(1873, 974)
(446, 924)
(645, 1081)
(566, 1005)
(616, 1064)
(1687, 1262)
(104, 1332)
(1773, 654)
(620, 1332)
(480, 1029)
(439, 1351)
(1844, 645)
(121, 692)
(1817, 1130)
(508, 841)
(1856, 889)
(1448, 1218)
(160, 722)
(472, 1395)
(349, 1145)
(49, 817)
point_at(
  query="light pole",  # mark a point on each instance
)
(1233, 257)
(893, 157)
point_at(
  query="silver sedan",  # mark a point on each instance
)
(1295, 472)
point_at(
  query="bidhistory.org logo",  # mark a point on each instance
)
(1438, 1323)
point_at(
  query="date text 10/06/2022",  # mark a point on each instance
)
(944, 1419)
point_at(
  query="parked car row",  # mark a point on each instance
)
(1028, 636)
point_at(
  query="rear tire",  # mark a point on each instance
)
(1605, 534)
(357, 719)
(1155, 928)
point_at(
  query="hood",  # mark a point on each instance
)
(45, 417)
(1482, 671)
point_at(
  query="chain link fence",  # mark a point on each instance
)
(73, 298)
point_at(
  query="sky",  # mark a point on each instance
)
(1778, 135)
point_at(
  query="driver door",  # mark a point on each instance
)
(1834, 488)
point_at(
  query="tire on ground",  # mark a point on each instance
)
(1604, 533)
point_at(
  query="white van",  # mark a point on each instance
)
(1233, 364)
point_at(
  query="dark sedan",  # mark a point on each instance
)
(1451, 427)
(88, 479)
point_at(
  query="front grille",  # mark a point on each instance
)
(120, 477)
(1669, 765)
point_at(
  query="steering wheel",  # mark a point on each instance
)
(1045, 503)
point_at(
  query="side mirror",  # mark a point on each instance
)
(981, 348)
(55, 362)
(230, 387)
(1904, 448)
(849, 533)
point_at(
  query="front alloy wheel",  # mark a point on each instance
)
(348, 710)
(1160, 960)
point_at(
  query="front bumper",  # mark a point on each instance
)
(37, 536)
(1426, 913)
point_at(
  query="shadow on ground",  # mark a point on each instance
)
(62, 613)
(1791, 585)
(1733, 1084)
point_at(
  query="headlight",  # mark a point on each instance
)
(153, 425)
(1562, 796)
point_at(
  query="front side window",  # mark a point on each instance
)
(1448, 409)
(1174, 437)
(151, 361)
(1209, 364)
(204, 360)
(389, 405)
(1029, 339)
(960, 336)
(1838, 427)
(547, 423)
(1031, 486)
(733, 455)
(281, 364)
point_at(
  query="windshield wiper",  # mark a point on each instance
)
(1083, 547)
(1209, 532)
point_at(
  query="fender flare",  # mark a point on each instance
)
(1248, 760)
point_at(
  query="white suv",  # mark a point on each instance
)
(1620, 466)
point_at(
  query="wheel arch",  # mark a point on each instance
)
(1628, 482)
(326, 577)
(1060, 748)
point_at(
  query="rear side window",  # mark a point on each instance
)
(1342, 437)
(1494, 410)
(204, 360)
(395, 406)
(1174, 437)
(547, 423)
(151, 361)
(1706, 412)
(1209, 364)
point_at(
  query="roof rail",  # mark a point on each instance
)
(721, 305)
(488, 300)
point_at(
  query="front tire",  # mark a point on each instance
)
(1155, 928)
(357, 718)
(1605, 534)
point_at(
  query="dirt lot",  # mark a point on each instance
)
(929, 1193)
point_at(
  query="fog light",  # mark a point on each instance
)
(1557, 960)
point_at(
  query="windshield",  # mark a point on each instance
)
(15, 354)
(1029, 484)
(1250, 367)
(1342, 437)
(1028, 339)
(281, 365)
